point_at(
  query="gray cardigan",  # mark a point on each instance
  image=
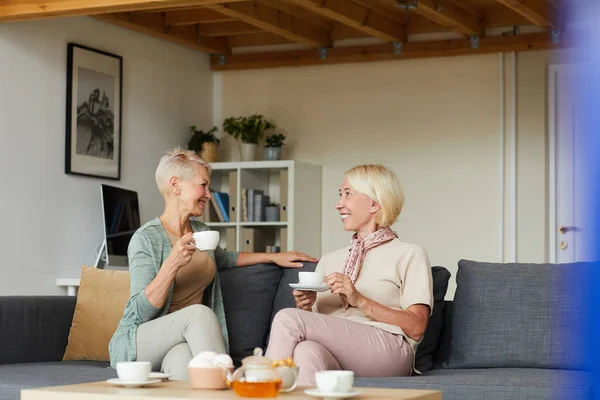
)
(148, 249)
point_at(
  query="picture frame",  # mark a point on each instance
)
(93, 112)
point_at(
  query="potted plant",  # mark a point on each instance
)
(249, 130)
(205, 144)
(273, 146)
(272, 212)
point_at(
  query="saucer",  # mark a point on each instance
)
(159, 375)
(132, 384)
(310, 288)
(331, 395)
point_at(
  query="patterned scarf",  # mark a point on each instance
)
(359, 249)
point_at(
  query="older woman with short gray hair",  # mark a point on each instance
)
(165, 320)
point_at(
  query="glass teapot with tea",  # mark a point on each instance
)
(256, 377)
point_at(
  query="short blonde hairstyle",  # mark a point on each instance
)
(381, 185)
(177, 162)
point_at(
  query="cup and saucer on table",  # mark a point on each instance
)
(135, 374)
(333, 385)
(311, 282)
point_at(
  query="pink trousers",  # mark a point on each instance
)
(318, 342)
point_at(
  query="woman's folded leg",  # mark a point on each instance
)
(364, 349)
(196, 325)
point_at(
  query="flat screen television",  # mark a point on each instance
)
(121, 212)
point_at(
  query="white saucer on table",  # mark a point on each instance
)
(159, 375)
(132, 384)
(331, 395)
(310, 288)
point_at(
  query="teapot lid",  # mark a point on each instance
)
(257, 360)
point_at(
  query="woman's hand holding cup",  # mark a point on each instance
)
(182, 252)
(304, 299)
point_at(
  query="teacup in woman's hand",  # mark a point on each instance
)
(206, 240)
(311, 278)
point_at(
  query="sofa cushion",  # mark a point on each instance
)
(426, 349)
(248, 295)
(517, 316)
(34, 328)
(15, 377)
(101, 299)
(283, 297)
(494, 383)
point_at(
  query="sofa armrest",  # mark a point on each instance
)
(34, 328)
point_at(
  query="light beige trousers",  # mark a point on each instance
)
(171, 341)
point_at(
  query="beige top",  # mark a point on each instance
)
(394, 274)
(191, 280)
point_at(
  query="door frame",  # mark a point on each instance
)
(554, 70)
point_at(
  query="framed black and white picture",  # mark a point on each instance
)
(93, 128)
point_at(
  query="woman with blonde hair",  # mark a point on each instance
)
(166, 320)
(381, 296)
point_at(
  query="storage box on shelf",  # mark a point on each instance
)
(241, 190)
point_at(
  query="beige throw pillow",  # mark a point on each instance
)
(101, 300)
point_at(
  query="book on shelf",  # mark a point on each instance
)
(254, 209)
(222, 200)
(217, 209)
(244, 203)
(260, 202)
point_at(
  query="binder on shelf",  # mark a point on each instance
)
(233, 195)
(283, 242)
(253, 240)
(230, 239)
(283, 195)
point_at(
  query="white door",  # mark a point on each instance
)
(569, 227)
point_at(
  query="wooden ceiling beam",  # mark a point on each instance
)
(257, 39)
(289, 7)
(384, 7)
(153, 24)
(450, 15)
(195, 16)
(470, 7)
(275, 21)
(231, 28)
(19, 10)
(384, 52)
(538, 12)
(358, 17)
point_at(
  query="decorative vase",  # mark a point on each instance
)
(248, 151)
(209, 152)
(272, 213)
(272, 153)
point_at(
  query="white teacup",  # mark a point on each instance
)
(311, 278)
(206, 240)
(334, 381)
(134, 371)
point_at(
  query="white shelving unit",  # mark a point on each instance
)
(295, 185)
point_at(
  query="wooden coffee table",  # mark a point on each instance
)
(171, 390)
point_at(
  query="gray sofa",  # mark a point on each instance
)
(498, 339)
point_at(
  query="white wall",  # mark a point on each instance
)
(52, 222)
(436, 123)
